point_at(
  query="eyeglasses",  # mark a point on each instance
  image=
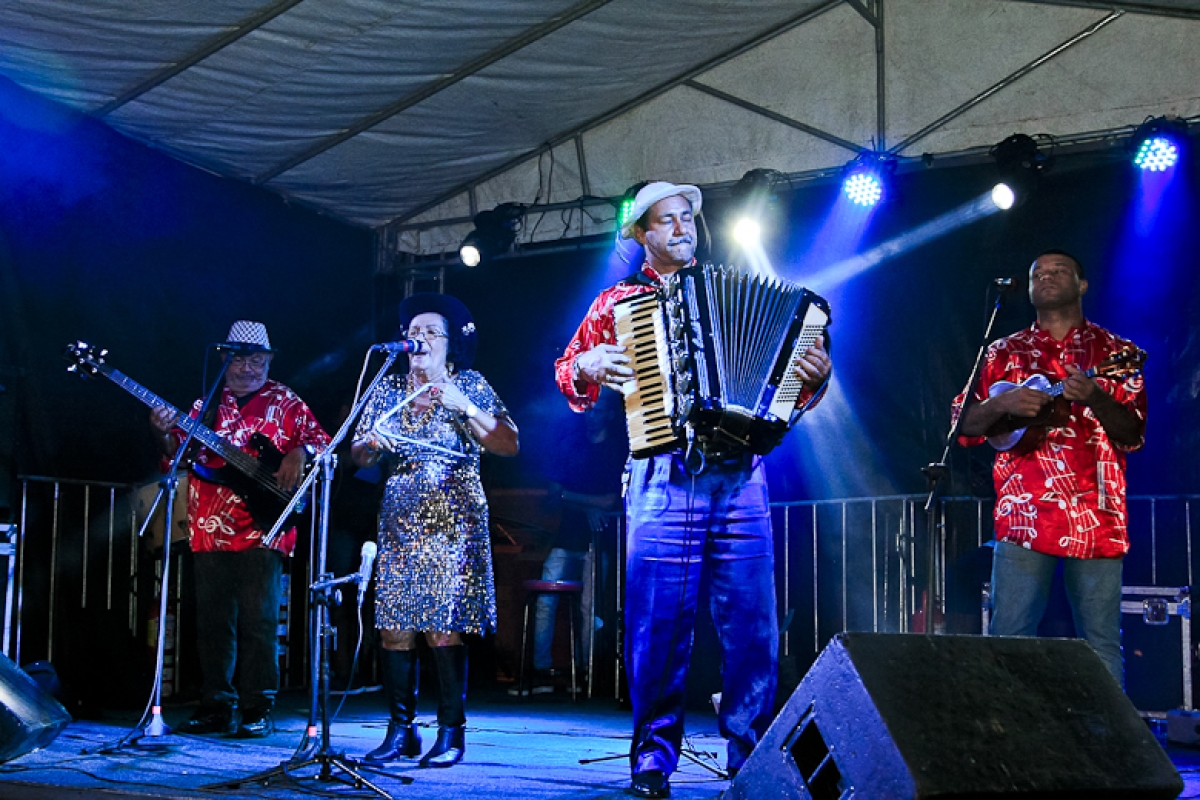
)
(258, 360)
(428, 334)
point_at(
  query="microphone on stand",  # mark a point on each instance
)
(1004, 284)
(364, 569)
(414, 346)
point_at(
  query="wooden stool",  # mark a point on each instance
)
(573, 592)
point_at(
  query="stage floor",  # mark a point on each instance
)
(515, 749)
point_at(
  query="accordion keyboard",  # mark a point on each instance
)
(784, 401)
(640, 329)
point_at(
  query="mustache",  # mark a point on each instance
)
(680, 240)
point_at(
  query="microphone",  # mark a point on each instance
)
(237, 347)
(364, 569)
(1004, 284)
(414, 346)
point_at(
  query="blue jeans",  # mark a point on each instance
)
(560, 565)
(237, 622)
(679, 528)
(1021, 582)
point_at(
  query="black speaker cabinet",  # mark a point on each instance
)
(909, 716)
(29, 718)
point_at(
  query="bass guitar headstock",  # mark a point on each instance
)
(1122, 365)
(87, 360)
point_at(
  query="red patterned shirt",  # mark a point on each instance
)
(219, 519)
(1067, 496)
(599, 327)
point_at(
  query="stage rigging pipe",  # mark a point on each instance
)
(1004, 83)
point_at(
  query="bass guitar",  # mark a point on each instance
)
(247, 473)
(1008, 432)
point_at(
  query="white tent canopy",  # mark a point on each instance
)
(410, 116)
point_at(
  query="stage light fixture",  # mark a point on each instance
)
(494, 234)
(747, 232)
(1157, 142)
(1020, 164)
(1003, 196)
(468, 251)
(755, 202)
(865, 179)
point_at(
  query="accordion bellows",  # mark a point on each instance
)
(711, 352)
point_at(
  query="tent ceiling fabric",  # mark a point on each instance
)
(417, 113)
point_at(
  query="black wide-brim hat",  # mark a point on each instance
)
(461, 324)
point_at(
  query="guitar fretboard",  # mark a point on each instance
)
(206, 436)
(1056, 390)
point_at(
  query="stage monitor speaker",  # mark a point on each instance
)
(909, 716)
(29, 717)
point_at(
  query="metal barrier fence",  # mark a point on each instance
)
(852, 564)
(84, 590)
(859, 564)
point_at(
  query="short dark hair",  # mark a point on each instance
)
(1054, 251)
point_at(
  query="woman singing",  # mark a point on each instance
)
(434, 574)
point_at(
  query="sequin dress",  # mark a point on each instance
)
(434, 571)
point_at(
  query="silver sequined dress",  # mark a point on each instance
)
(435, 557)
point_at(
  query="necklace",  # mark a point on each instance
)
(410, 421)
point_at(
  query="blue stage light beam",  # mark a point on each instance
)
(842, 271)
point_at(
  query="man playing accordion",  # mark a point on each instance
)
(677, 521)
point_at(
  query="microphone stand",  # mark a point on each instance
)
(170, 485)
(934, 474)
(322, 593)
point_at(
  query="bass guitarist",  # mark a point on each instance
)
(1060, 493)
(237, 578)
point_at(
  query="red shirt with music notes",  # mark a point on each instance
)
(1067, 496)
(218, 519)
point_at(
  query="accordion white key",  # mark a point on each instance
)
(711, 353)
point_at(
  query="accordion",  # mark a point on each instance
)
(711, 352)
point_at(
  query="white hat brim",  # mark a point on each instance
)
(659, 190)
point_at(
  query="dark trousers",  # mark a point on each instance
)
(679, 528)
(237, 621)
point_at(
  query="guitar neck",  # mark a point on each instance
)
(201, 433)
(1057, 389)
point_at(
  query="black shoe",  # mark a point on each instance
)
(256, 725)
(651, 783)
(449, 748)
(211, 719)
(401, 741)
(543, 681)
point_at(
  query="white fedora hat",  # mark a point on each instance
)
(651, 193)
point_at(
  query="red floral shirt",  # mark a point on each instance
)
(218, 518)
(599, 327)
(1067, 496)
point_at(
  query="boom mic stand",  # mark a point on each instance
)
(934, 474)
(321, 593)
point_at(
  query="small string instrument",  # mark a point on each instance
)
(1008, 432)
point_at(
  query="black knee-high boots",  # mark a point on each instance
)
(400, 678)
(451, 663)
